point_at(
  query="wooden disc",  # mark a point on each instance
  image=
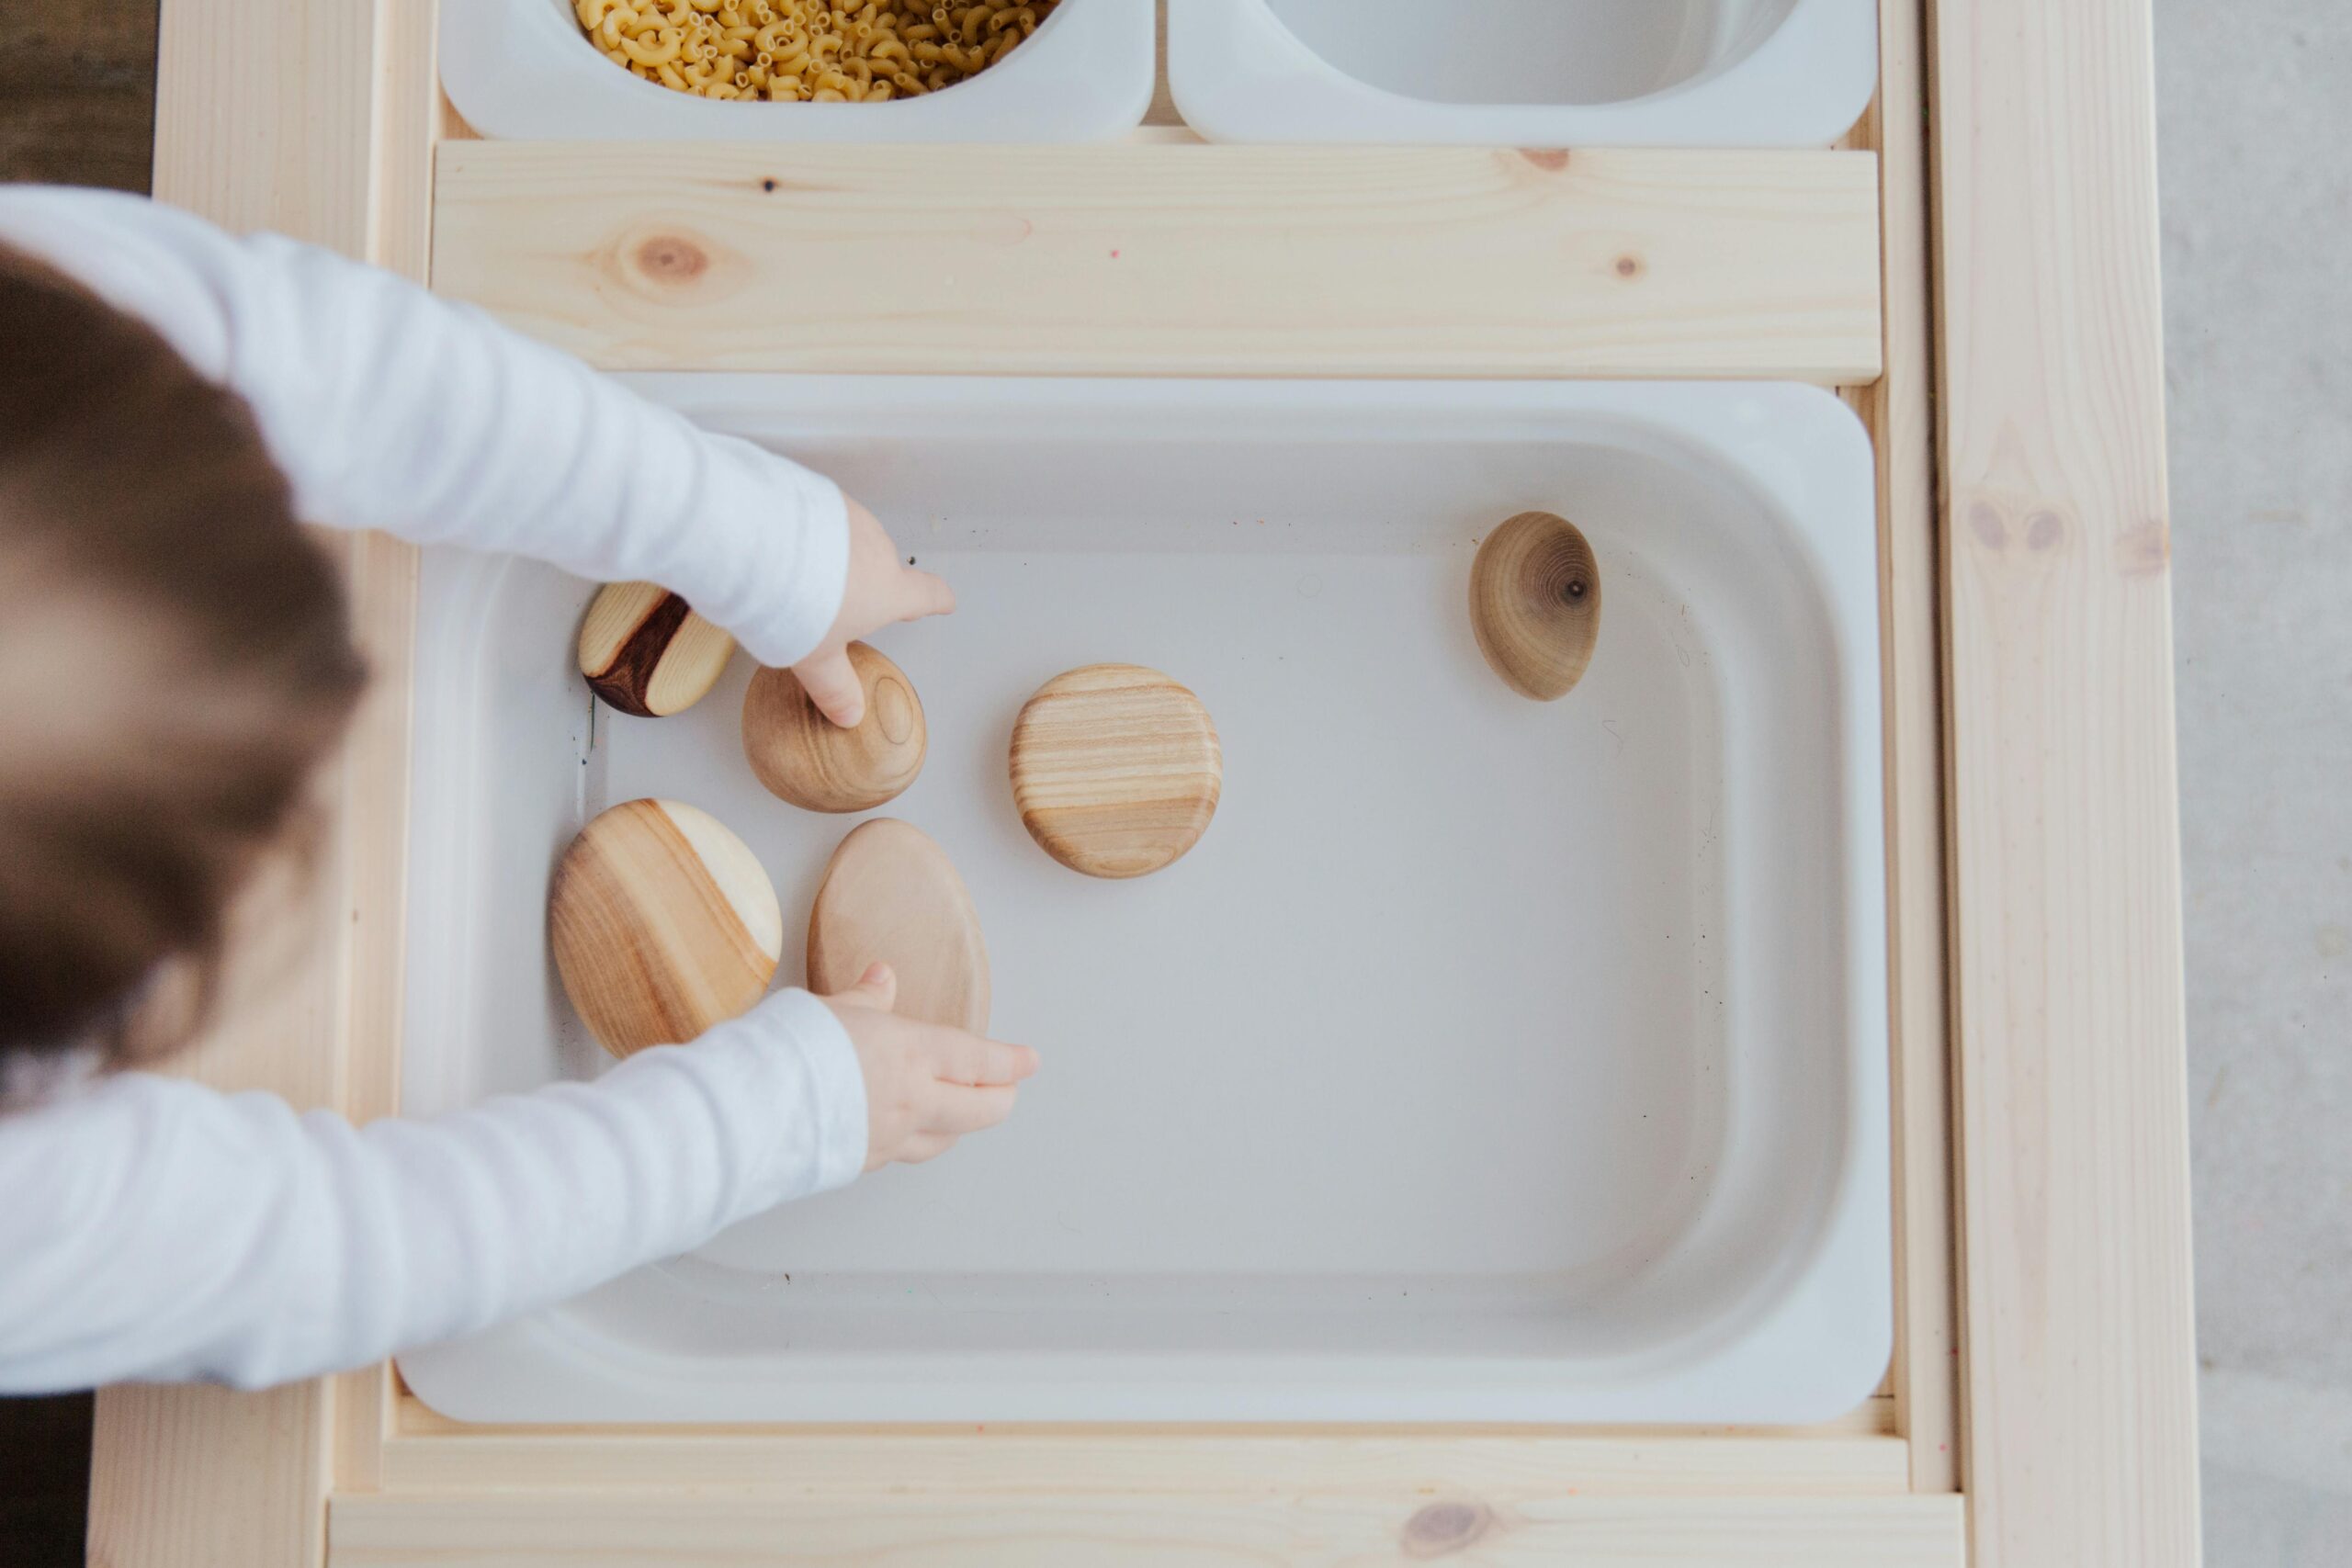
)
(1116, 769)
(646, 653)
(892, 895)
(664, 924)
(807, 759)
(1535, 604)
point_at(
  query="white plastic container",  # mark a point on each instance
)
(1524, 72)
(1485, 1060)
(522, 69)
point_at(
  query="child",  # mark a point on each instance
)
(172, 401)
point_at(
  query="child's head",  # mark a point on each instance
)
(175, 655)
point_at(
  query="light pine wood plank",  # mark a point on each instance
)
(1142, 258)
(1049, 1531)
(2080, 1369)
(269, 117)
(1898, 409)
(1498, 1466)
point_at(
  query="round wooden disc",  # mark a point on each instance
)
(803, 756)
(646, 653)
(664, 924)
(891, 894)
(1115, 769)
(1535, 604)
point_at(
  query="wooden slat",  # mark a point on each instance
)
(1498, 1466)
(1898, 409)
(1056, 1531)
(2080, 1369)
(310, 121)
(1142, 259)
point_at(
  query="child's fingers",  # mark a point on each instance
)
(834, 686)
(969, 1059)
(960, 1107)
(924, 593)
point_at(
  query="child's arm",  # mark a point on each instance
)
(390, 409)
(158, 1230)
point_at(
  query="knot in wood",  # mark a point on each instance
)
(1442, 1529)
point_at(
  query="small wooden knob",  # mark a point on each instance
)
(1535, 604)
(664, 924)
(891, 894)
(805, 757)
(646, 653)
(1116, 769)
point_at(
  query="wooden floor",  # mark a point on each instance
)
(77, 107)
(78, 91)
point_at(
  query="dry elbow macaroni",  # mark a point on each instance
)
(801, 50)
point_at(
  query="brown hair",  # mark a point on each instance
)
(175, 655)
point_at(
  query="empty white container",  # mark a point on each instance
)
(1485, 1060)
(522, 69)
(1524, 72)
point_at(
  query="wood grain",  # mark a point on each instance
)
(891, 896)
(805, 757)
(663, 923)
(2074, 1167)
(644, 650)
(1049, 1530)
(430, 1453)
(78, 94)
(1535, 604)
(1142, 259)
(1116, 770)
(1898, 411)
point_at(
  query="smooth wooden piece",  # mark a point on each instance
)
(1926, 1379)
(805, 757)
(1044, 1529)
(644, 650)
(1116, 769)
(1154, 259)
(891, 896)
(314, 121)
(663, 923)
(1535, 604)
(2074, 1163)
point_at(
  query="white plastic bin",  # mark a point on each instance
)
(522, 69)
(1524, 72)
(1485, 1060)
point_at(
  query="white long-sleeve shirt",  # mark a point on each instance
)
(156, 1229)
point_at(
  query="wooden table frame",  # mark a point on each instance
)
(1996, 324)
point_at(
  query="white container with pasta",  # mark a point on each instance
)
(527, 70)
(1524, 72)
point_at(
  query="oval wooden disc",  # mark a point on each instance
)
(664, 924)
(892, 895)
(1116, 769)
(646, 653)
(1535, 604)
(803, 756)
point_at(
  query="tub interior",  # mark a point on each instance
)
(1486, 1048)
(1562, 52)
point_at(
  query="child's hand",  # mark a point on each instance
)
(882, 589)
(926, 1084)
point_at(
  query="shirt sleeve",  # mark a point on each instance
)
(157, 1230)
(390, 409)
